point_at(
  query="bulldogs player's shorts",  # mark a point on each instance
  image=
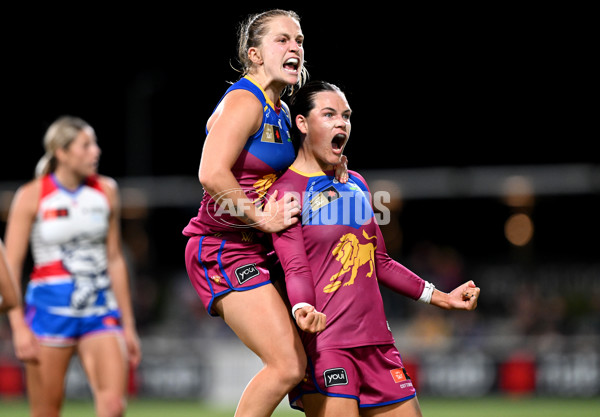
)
(217, 265)
(61, 331)
(372, 375)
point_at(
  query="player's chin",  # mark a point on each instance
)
(291, 77)
(91, 172)
(88, 171)
(334, 159)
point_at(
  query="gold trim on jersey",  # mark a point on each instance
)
(306, 174)
(269, 101)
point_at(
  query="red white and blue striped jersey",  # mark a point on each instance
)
(68, 245)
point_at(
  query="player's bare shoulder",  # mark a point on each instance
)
(27, 196)
(111, 189)
(108, 183)
(237, 104)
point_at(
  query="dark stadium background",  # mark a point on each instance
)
(429, 86)
(444, 87)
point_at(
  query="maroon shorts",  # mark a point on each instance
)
(372, 375)
(219, 265)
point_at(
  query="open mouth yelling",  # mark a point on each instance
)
(338, 142)
(292, 65)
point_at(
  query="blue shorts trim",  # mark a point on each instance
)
(60, 331)
(231, 287)
(220, 262)
(389, 402)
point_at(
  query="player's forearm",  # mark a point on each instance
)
(289, 247)
(117, 270)
(393, 274)
(7, 299)
(16, 317)
(8, 292)
(298, 279)
(229, 195)
(300, 291)
(440, 299)
(400, 279)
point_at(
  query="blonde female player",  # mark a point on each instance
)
(77, 299)
(228, 252)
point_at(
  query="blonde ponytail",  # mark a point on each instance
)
(44, 165)
(59, 134)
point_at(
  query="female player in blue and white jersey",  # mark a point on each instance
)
(77, 299)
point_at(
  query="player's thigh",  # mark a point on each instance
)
(319, 405)
(262, 322)
(46, 378)
(104, 360)
(408, 408)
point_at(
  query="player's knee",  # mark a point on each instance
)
(297, 376)
(293, 371)
(290, 378)
(110, 405)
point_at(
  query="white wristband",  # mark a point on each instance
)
(297, 306)
(427, 293)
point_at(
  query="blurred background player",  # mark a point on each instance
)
(77, 299)
(333, 261)
(8, 293)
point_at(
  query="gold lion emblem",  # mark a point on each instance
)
(352, 255)
(262, 186)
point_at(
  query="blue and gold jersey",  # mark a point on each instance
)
(272, 143)
(321, 204)
(266, 154)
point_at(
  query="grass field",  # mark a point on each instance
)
(432, 407)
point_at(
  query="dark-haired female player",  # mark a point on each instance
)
(334, 260)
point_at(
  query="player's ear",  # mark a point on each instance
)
(301, 123)
(254, 55)
(60, 154)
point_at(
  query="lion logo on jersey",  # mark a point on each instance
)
(352, 255)
(262, 186)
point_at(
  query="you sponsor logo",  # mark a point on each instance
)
(335, 376)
